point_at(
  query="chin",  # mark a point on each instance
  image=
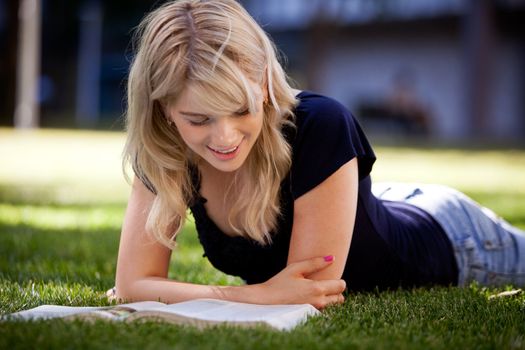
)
(224, 166)
(227, 168)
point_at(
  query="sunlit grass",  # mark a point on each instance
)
(62, 217)
(487, 171)
(62, 166)
(79, 167)
(62, 201)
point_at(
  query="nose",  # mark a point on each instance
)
(224, 133)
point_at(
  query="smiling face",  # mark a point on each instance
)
(223, 139)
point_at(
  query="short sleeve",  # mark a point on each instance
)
(142, 177)
(327, 136)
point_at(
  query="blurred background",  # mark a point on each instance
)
(441, 71)
(438, 86)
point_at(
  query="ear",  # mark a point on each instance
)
(166, 113)
(166, 110)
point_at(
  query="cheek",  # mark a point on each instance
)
(190, 135)
(258, 123)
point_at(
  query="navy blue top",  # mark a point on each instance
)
(393, 245)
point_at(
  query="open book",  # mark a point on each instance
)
(198, 312)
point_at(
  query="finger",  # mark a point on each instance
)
(335, 299)
(332, 287)
(329, 300)
(309, 266)
(111, 294)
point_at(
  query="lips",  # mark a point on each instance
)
(225, 153)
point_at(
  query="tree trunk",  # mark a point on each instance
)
(28, 69)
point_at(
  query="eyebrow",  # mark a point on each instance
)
(191, 114)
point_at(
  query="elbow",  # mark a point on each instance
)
(125, 290)
(120, 295)
(136, 289)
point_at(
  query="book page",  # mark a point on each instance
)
(44, 312)
(278, 316)
(56, 311)
(219, 309)
(139, 306)
(197, 312)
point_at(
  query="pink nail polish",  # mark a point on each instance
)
(329, 258)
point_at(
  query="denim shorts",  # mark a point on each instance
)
(487, 248)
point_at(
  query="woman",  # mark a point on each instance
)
(277, 180)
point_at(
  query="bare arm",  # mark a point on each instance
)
(324, 221)
(142, 270)
(322, 226)
(142, 266)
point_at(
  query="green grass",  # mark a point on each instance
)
(62, 199)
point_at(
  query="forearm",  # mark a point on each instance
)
(171, 291)
(287, 287)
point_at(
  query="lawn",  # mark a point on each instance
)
(62, 199)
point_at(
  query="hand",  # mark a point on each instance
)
(111, 294)
(291, 285)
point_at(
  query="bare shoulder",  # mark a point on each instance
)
(140, 255)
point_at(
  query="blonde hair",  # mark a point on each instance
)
(216, 46)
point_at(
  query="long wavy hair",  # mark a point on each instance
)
(216, 46)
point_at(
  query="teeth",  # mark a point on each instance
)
(226, 151)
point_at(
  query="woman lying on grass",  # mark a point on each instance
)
(277, 180)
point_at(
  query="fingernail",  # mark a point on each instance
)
(329, 258)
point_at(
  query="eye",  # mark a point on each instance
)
(242, 112)
(199, 122)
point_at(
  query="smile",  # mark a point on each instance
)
(225, 153)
